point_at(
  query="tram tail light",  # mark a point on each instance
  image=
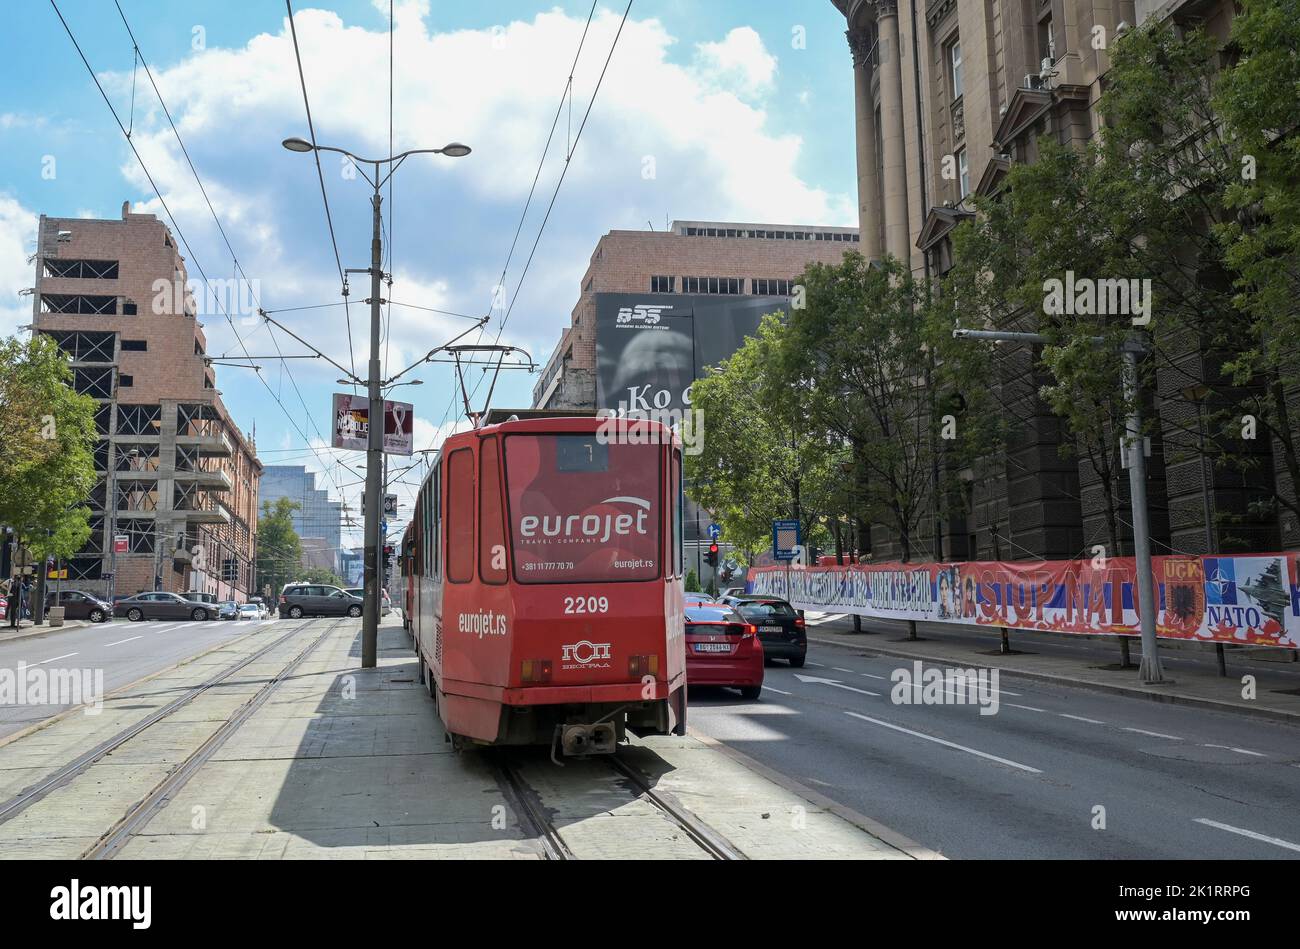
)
(638, 666)
(536, 670)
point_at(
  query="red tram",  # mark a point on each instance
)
(544, 583)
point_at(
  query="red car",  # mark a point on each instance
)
(723, 649)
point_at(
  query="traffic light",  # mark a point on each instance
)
(711, 558)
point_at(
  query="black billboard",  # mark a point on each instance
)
(650, 347)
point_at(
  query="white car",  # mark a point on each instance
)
(248, 611)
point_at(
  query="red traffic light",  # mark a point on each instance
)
(713, 548)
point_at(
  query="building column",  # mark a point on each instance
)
(897, 231)
(865, 114)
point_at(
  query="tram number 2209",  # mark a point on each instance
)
(586, 604)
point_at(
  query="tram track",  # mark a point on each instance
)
(135, 819)
(534, 816)
(33, 794)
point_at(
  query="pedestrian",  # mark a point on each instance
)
(25, 598)
(12, 603)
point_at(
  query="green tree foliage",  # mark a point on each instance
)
(318, 575)
(762, 456)
(47, 432)
(692, 581)
(279, 552)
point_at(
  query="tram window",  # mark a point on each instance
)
(492, 538)
(581, 453)
(435, 535)
(460, 516)
(676, 500)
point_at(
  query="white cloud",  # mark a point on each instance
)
(17, 242)
(739, 59)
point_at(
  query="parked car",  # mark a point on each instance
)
(317, 599)
(731, 591)
(77, 604)
(385, 604)
(210, 598)
(780, 626)
(159, 605)
(248, 611)
(228, 609)
(696, 597)
(263, 610)
(722, 648)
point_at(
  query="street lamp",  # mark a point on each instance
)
(375, 446)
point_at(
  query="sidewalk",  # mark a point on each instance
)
(1275, 698)
(25, 628)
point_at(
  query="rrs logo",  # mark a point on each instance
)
(584, 653)
(647, 313)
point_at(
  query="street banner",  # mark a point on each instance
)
(352, 424)
(1249, 600)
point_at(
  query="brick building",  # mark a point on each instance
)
(691, 258)
(948, 94)
(174, 471)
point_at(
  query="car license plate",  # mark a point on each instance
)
(713, 647)
(771, 629)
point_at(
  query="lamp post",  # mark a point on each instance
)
(375, 443)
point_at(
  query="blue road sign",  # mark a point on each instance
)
(715, 531)
(786, 537)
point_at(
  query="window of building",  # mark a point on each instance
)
(661, 284)
(96, 383)
(77, 303)
(128, 308)
(125, 381)
(588, 285)
(1046, 39)
(963, 172)
(81, 269)
(135, 345)
(955, 85)
(762, 286)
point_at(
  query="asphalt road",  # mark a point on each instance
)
(125, 652)
(1175, 781)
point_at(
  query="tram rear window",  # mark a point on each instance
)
(582, 510)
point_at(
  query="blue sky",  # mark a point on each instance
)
(742, 108)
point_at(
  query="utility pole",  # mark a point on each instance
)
(1134, 452)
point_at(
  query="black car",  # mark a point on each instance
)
(317, 599)
(780, 627)
(77, 604)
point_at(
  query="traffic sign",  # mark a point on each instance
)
(715, 531)
(390, 505)
(121, 543)
(787, 537)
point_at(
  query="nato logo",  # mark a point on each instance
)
(1220, 582)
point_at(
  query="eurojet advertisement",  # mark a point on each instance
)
(1249, 600)
(650, 347)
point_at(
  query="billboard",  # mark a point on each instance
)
(1250, 600)
(351, 426)
(651, 347)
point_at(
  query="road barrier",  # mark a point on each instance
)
(1246, 600)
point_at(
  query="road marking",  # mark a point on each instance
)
(838, 669)
(266, 622)
(166, 626)
(1143, 731)
(777, 691)
(1275, 841)
(1080, 718)
(120, 641)
(871, 675)
(838, 685)
(817, 664)
(1240, 751)
(1027, 708)
(946, 743)
(64, 656)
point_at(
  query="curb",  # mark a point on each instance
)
(876, 829)
(1171, 698)
(46, 628)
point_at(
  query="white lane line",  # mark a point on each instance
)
(1027, 708)
(120, 641)
(1080, 718)
(64, 656)
(1240, 751)
(838, 669)
(1143, 731)
(835, 683)
(817, 664)
(266, 622)
(946, 743)
(871, 675)
(768, 688)
(1275, 841)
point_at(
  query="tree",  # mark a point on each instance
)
(762, 457)
(47, 434)
(692, 581)
(319, 575)
(279, 552)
